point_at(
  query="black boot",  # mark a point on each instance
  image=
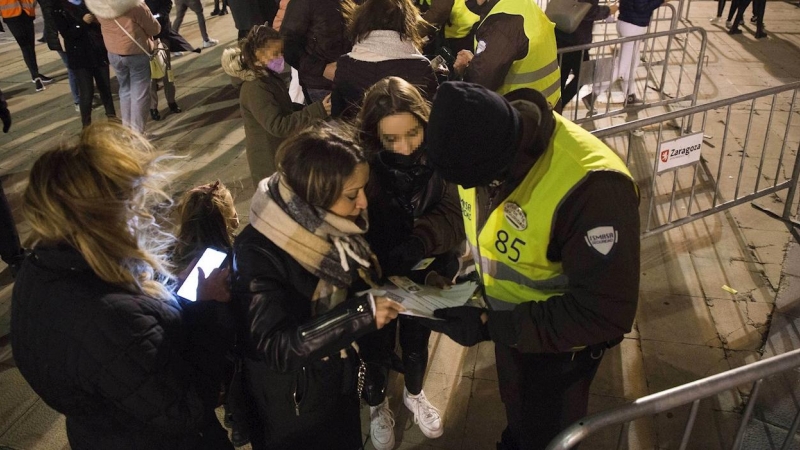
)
(154, 114)
(175, 108)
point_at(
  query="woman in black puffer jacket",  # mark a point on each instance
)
(95, 332)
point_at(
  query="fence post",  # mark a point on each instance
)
(787, 208)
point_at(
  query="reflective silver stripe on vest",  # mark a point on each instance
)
(536, 75)
(552, 89)
(503, 272)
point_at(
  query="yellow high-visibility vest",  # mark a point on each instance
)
(538, 69)
(14, 8)
(461, 21)
(510, 250)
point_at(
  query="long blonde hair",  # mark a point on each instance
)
(97, 196)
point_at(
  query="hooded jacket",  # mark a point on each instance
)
(132, 15)
(268, 113)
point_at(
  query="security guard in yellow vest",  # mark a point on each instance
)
(551, 216)
(456, 19)
(515, 48)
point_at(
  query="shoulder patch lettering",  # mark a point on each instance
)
(602, 239)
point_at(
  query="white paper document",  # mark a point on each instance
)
(421, 300)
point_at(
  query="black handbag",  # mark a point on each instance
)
(567, 14)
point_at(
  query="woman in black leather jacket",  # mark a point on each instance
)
(414, 214)
(294, 266)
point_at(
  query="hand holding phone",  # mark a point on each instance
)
(215, 286)
(195, 287)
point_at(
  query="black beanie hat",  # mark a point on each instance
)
(472, 134)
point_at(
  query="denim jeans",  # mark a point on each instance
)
(133, 76)
(73, 80)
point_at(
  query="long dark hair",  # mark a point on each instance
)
(391, 95)
(204, 219)
(373, 15)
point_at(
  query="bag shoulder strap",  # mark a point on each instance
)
(134, 40)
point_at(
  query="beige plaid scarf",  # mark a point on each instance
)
(327, 245)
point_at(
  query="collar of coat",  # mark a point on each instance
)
(111, 9)
(384, 45)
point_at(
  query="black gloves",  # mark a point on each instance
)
(403, 257)
(462, 324)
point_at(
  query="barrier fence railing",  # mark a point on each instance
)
(682, 395)
(739, 153)
(672, 69)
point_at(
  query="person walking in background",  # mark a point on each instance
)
(51, 33)
(297, 268)
(128, 27)
(197, 7)
(136, 369)
(314, 39)
(387, 42)
(634, 18)
(267, 110)
(18, 16)
(86, 54)
(175, 45)
(571, 61)
(758, 15)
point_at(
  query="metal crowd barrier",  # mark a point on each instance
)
(669, 58)
(738, 154)
(683, 395)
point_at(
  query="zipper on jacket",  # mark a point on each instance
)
(315, 328)
(294, 394)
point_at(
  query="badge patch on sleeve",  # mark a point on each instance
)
(602, 239)
(480, 47)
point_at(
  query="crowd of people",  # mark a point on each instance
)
(379, 164)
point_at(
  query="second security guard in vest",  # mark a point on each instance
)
(551, 216)
(515, 48)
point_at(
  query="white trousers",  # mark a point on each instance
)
(629, 55)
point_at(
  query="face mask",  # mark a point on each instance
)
(276, 65)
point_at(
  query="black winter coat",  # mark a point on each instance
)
(128, 371)
(172, 40)
(84, 42)
(354, 77)
(412, 202)
(303, 392)
(314, 36)
(638, 12)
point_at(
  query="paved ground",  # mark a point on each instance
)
(687, 326)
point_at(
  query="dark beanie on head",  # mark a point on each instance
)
(472, 134)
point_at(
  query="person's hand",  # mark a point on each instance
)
(386, 310)
(326, 103)
(435, 280)
(613, 8)
(462, 61)
(5, 116)
(88, 18)
(215, 287)
(465, 325)
(330, 71)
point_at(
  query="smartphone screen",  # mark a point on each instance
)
(210, 260)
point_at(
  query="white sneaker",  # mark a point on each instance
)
(210, 43)
(728, 23)
(77, 107)
(381, 426)
(425, 414)
(715, 20)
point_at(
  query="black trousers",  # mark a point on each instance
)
(10, 247)
(377, 349)
(21, 28)
(542, 393)
(87, 77)
(571, 62)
